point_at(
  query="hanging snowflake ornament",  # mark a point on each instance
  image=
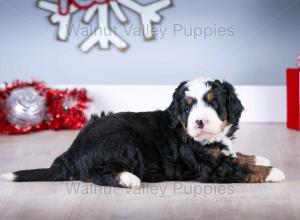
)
(63, 10)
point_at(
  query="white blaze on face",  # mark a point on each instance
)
(201, 111)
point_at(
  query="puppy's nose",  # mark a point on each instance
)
(200, 124)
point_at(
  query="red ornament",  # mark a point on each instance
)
(64, 5)
(64, 109)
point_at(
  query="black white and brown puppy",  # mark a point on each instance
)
(189, 141)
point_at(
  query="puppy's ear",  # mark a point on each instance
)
(173, 109)
(235, 107)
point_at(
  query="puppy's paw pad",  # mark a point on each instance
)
(129, 180)
(275, 176)
(262, 161)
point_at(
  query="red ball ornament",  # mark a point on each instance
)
(31, 106)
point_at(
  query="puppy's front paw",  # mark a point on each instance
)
(275, 176)
(129, 180)
(262, 161)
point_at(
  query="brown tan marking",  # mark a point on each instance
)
(215, 152)
(241, 159)
(189, 101)
(210, 96)
(259, 174)
(245, 159)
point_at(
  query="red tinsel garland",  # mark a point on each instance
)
(64, 108)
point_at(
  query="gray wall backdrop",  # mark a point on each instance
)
(261, 39)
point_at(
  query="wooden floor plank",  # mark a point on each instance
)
(168, 200)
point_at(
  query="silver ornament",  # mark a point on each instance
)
(25, 107)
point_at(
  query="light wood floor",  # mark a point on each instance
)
(167, 200)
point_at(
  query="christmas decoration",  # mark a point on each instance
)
(103, 35)
(293, 97)
(25, 107)
(31, 106)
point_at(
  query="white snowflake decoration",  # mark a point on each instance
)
(148, 15)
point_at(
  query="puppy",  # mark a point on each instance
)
(189, 141)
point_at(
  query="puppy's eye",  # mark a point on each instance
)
(214, 104)
(187, 109)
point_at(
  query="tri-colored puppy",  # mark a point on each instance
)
(189, 141)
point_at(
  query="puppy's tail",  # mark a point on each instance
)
(41, 175)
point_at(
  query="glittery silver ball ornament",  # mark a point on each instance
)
(25, 107)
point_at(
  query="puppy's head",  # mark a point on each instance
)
(206, 109)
